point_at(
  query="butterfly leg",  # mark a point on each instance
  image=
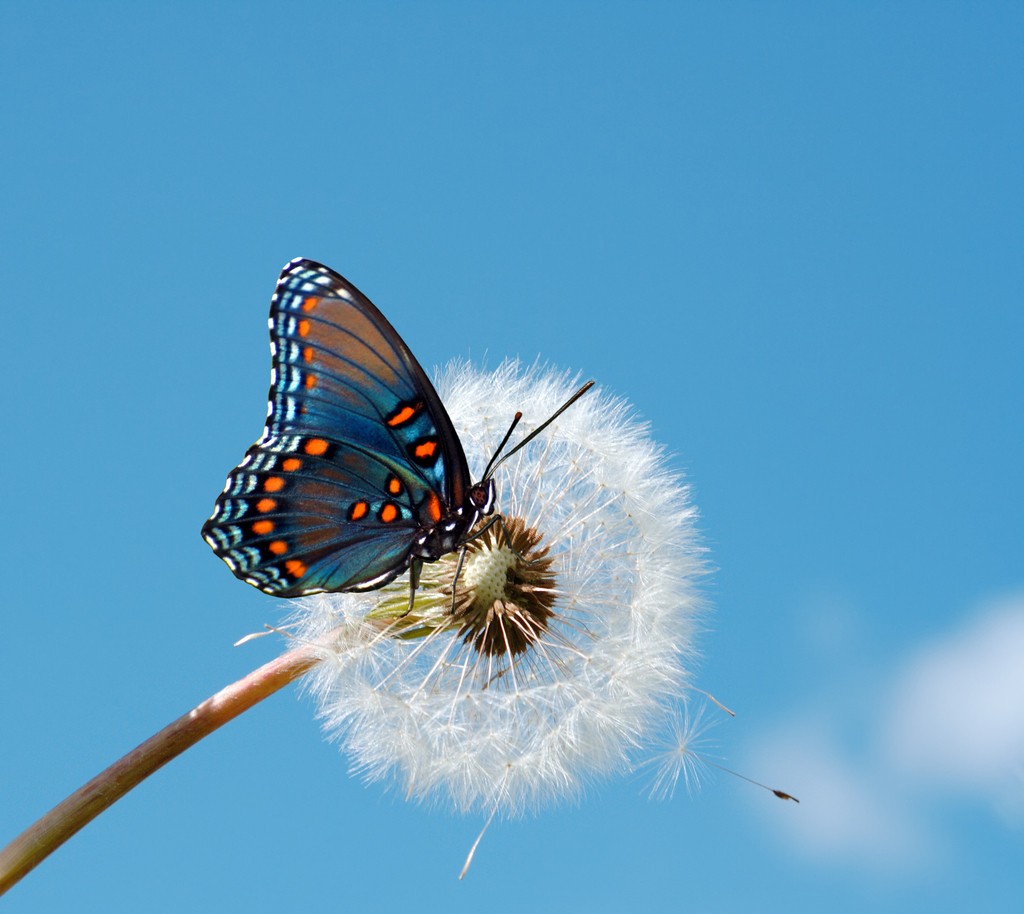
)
(477, 534)
(508, 542)
(415, 566)
(500, 521)
(458, 571)
(497, 519)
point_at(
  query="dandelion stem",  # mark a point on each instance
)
(41, 839)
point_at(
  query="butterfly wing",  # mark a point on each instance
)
(357, 457)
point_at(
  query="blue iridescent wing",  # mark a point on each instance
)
(357, 457)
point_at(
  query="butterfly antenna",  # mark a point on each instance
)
(504, 441)
(495, 463)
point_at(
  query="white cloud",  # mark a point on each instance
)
(957, 714)
(847, 811)
(949, 724)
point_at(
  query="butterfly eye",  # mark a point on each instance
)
(482, 497)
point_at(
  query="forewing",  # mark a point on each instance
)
(341, 369)
(357, 455)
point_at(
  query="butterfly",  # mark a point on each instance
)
(359, 474)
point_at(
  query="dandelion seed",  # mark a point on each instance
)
(682, 755)
(572, 628)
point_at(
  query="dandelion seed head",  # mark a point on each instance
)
(563, 653)
(504, 598)
(486, 575)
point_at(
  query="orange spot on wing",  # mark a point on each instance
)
(266, 504)
(303, 327)
(273, 484)
(388, 513)
(358, 510)
(426, 449)
(310, 381)
(307, 353)
(278, 547)
(316, 446)
(403, 415)
(262, 526)
(295, 568)
(394, 485)
(291, 464)
(434, 507)
(310, 303)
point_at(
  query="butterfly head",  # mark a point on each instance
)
(480, 497)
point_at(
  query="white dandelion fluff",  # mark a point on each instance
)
(682, 754)
(570, 641)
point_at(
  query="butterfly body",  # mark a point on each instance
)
(359, 472)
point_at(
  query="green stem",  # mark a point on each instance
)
(40, 840)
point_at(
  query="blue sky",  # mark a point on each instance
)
(790, 234)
